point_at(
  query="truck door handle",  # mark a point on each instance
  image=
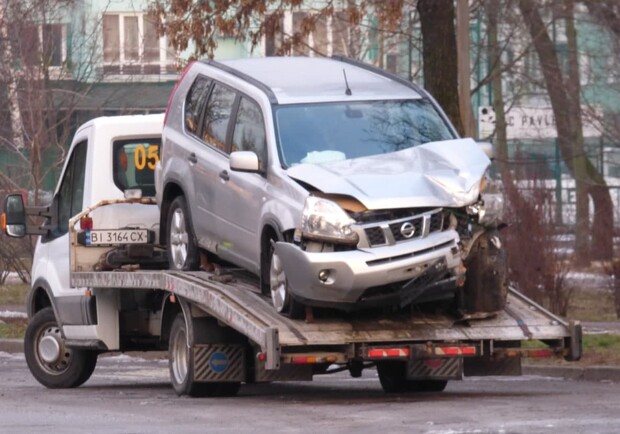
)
(224, 175)
(192, 158)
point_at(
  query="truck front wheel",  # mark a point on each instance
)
(50, 361)
(393, 378)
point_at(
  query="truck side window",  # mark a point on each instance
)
(249, 134)
(71, 193)
(195, 103)
(217, 115)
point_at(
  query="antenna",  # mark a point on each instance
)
(348, 91)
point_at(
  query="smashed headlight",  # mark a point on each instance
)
(325, 220)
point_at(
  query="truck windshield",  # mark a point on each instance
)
(316, 133)
(134, 164)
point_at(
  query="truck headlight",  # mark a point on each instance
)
(323, 219)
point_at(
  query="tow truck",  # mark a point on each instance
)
(104, 286)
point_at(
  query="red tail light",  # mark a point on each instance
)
(86, 223)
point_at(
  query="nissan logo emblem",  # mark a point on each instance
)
(407, 230)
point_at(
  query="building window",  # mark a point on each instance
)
(330, 35)
(131, 45)
(41, 45)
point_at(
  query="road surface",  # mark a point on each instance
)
(132, 395)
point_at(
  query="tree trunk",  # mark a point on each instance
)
(439, 56)
(558, 95)
(464, 69)
(573, 91)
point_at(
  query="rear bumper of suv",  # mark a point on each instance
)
(396, 274)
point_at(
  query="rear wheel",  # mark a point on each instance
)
(393, 378)
(182, 364)
(50, 361)
(183, 251)
(281, 298)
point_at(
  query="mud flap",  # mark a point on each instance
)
(435, 369)
(486, 283)
(219, 363)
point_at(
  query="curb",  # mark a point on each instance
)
(589, 373)
(11, 345)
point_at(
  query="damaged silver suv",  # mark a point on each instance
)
(337, 183)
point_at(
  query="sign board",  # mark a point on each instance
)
(531, 123)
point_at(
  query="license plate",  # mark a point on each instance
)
(103, 237)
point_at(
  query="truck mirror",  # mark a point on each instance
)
(14, 216)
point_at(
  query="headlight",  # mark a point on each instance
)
(325, 220)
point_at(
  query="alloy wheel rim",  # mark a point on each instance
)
(278, 284)
(178, 239)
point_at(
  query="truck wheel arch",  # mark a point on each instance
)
(170, 310)
(39, 297)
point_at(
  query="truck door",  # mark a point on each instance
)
(53, 248)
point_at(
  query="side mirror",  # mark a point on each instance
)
(14, 216)
(487, 148)
(244, 161)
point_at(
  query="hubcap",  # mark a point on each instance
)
(277, 282)
(52, 354)
(179, 356)
(178, 239)
(49, 349)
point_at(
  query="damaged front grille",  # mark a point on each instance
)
(403, 229)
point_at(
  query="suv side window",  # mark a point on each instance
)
(195, 102)
(71, 193)
(249, 134)
(217, 115)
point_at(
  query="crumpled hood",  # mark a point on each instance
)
(441, 174)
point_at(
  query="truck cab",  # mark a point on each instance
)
(108, 157)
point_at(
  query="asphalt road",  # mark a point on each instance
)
(132, 395)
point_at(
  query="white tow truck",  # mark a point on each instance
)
(101, 284)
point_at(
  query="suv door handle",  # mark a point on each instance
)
(192, 158)
(224, 175)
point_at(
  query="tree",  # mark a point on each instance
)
(568, 121)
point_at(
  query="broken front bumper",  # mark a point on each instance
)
(395, 274)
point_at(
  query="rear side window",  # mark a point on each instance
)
(217, 115)
(195, 102)
(134, 164)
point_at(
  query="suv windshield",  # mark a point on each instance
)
(317, 133)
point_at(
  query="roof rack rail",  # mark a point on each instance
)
(232, 71)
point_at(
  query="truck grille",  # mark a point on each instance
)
(397, 230)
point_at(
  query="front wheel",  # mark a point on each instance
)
(393, 378)
(183, 251)
(281, 298)
(50, 361)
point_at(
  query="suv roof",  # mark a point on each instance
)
(313, 79)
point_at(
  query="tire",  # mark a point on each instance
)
(393, 378)
(281, 298)
(53, 364)
(486, 281)
(181, 364)
(183, 253)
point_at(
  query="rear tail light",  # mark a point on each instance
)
(86, 223)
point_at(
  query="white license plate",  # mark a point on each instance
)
(102, 237)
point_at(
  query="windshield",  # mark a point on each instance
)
(318, 133)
